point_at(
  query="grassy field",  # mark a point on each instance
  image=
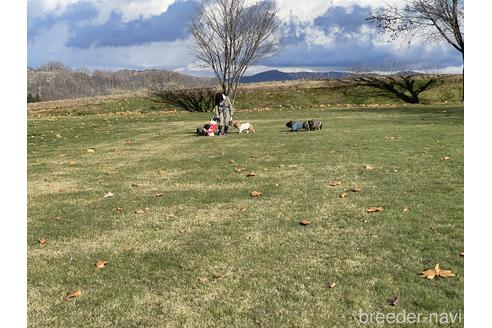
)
(206, 254)
(288, 95)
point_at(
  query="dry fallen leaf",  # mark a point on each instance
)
(90, 150)
(101, 264)
(436, 272)
(368, 167)
(217, 275)
(255, 194)
(395, 300)
(343, 195)
(374, 209)
(109, 194)
(72, 294)
(305, 222)
(159, 194)
(332, 285)
(251, 174)
(335, 183)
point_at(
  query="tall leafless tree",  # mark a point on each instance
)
(229, 37)
(432, 20)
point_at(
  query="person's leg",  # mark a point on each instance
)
(227, 120)
(221, 121)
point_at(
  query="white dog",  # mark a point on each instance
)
(244, 127)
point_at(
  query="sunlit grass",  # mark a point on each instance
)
(206, 254)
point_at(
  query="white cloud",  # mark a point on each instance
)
(129, 9)
(54, 5)
(304, 11)
(315, 36)
(307, 11)
(50, 45)
(135, 9)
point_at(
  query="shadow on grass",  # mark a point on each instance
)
(428, 114)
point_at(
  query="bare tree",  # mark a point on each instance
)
(229, 37)
(429, 19)
(52, 81)
(309, 76)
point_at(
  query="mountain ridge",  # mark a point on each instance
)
(277, 75)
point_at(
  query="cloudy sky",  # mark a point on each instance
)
(317, 35)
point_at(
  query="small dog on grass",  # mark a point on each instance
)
(244, 127)
(310, 125)
(314, 125)
(296, 126)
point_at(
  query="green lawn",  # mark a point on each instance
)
(206, 254)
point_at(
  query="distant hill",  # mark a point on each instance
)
(276, 75)
(54, 81)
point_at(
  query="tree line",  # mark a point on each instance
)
(55, 81)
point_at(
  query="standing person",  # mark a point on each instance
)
(224, 110)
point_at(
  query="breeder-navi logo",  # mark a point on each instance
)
(444, 318)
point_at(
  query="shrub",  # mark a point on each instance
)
(32, 99)
(192, 100)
